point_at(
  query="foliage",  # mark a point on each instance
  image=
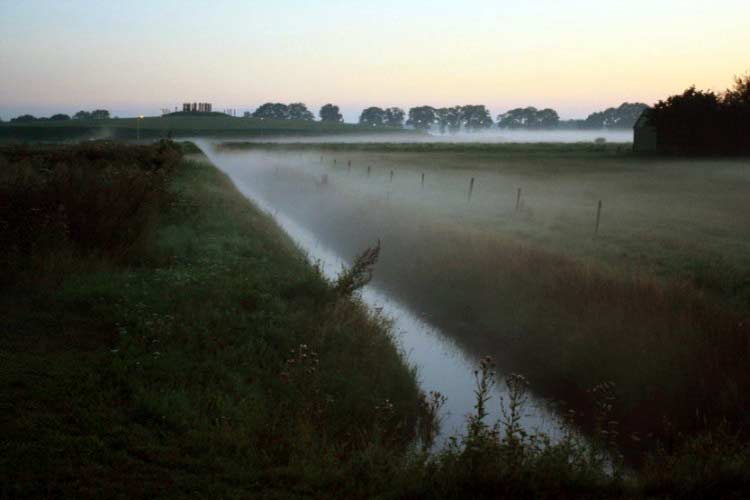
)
(394, 117)
(475, 117)
(59, 117)
(622, 117)
(330, 113)
(96, 199)
(23, 119)
(422, 117)
(372, 117)
(298, 111)
(220, 365)
(100, 114)
(528, 118)
(703, 122)
(272, 111)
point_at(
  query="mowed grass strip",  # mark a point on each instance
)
(213, 361)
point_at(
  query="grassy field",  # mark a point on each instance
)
(153, 127)
(663, 287)
(162, 338)
(198, 356)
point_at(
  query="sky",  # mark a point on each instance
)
(576, 56)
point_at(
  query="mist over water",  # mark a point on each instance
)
(491, 136)
(333, 215)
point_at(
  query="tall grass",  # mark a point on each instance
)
(676, 356)
(90, 200)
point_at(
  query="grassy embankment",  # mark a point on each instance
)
(161, 336)
(160, 127)
(644, 305)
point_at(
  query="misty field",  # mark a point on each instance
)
(655, 302)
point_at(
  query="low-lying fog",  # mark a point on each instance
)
(487, 136)
(450, 266)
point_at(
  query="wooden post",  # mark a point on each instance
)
(598, 217)
(518, 200)
(391, 175)
(349, 166)
(471, 188)
(422, 180)
(334, 161)
(368, 170)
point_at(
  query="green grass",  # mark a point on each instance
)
(176, 126)
(213, 361)
(222, 365)
(657, 303)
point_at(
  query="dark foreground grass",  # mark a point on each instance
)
(211, 361)
(216, 364)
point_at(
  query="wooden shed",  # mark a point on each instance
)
(645, 136)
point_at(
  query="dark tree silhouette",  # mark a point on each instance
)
(24, 119)
(394, 117)
(528, 118)
(100, 114)
(272, 111)
(449, 119)
(59, 117)
(372, 117)
(475, 117)
(82, 115)
(422, 117)
(298, 111)
(330, 113)
(622, 117)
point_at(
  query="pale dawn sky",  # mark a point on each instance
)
(576, 56)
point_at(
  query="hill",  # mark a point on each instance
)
(176, 125)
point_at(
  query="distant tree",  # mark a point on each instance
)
(547, 118)
(517, 118)
(372, 117)
(100, 114)
(272, 111)
(475, 117)
(622, 117)
(449, 119)
(298, 111)
(59, 117)
(24, 119)
(422, 117)
(394, 117)
(82, 115)
(330, 113)
(247, 114)
(529, 118)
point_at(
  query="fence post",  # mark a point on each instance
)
(518, 200)
(598, 217)
(471, 188)
(368, 170)
(391, 175)
(422, 180)
(349, 166)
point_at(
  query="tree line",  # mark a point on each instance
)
(295, 111)
(704, 122)
(97, 114)
(471, 118)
